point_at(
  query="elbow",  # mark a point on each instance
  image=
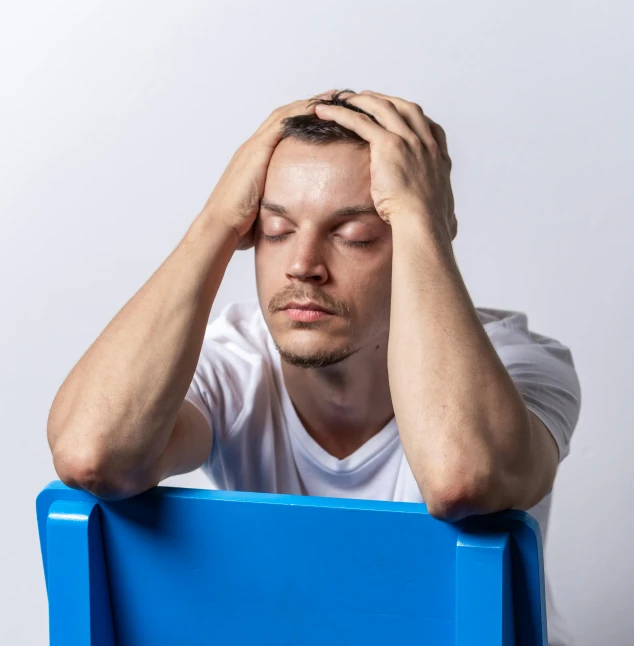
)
(460, 497)
(88, 473)
(450, 505)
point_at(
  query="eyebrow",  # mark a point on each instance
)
(347, 210)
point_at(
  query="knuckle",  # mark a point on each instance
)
(395, 143)
(414, 141)
(434, 149)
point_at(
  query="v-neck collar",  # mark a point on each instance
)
(362, 457)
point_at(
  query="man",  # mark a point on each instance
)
(364, 372)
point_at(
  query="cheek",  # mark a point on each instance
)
(270, 275)
(370, 287)
(379, 301)
(268, 257)
(262, 271)
(375, 271)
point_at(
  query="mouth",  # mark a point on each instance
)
(306, 307)
(306, 312)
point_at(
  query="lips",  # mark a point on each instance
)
(306, 306)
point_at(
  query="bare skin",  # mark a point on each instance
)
(471, 443)
(345, 402)
(113, 427)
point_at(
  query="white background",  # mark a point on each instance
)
(116, 120)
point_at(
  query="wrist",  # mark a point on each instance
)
(424, 231)
(209, 223)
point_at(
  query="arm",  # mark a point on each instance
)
(472, 445)
(114, 414)
(112, 427)
(470, 441)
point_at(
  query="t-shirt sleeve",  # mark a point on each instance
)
(224, 373)
(544, 373)
(196, 397)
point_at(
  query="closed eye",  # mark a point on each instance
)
(348, 243)
(275, 238)
(356, 243)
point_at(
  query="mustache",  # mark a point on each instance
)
(279, 301)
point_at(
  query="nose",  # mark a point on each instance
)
(306, 262)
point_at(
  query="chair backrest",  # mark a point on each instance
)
(179, 566)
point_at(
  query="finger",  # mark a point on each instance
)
(441, 138)
(355, 121)
(385, 112)
(275, 118)
(413, 114)
(328, 94)
(322, 95)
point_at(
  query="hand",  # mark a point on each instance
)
(409, 161)
(236, 197)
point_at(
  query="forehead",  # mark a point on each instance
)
(302, 175)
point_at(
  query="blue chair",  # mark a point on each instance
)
(173, 567)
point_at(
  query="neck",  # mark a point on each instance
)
(342, 406)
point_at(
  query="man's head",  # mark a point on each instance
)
(339, 259)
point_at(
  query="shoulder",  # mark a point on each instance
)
(498, 320)
(233, 366)
(542, 369)
(236, 318)
(240, 329)
(234, 355)
(540, 365)
(509, 331)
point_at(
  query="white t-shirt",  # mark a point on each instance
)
(260, 444)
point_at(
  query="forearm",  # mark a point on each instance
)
(116, 409)
(462, 422)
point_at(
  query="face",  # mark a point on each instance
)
(306, 251)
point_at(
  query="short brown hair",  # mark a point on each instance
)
(314, 130)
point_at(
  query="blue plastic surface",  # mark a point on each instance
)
(195, 566)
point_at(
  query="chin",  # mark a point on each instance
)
(312, 357)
